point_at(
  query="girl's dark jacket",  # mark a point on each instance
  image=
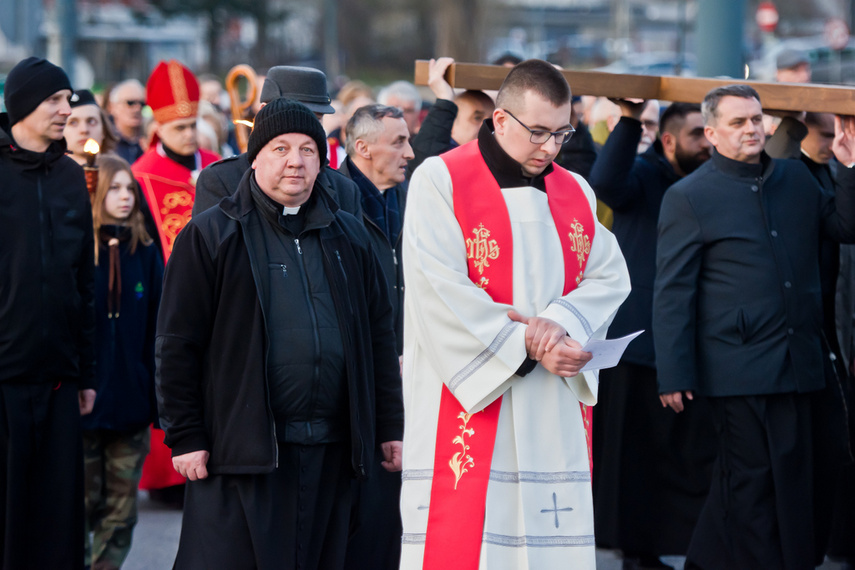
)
(125, 343)
(211, 346)
(47, 321)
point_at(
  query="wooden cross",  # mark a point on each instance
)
(774, 96)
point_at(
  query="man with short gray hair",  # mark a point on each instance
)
(737, 317)
(378, 149)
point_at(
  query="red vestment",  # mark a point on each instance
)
(169, 188)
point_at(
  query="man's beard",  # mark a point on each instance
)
(689, 162)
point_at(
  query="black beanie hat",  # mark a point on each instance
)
(82, 97)
(29, 83)
(282, 116)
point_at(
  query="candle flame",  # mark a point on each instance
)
(244, 123)
(91, 147)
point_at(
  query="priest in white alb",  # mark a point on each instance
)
(508, 275)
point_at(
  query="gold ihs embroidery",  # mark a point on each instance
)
(461, 460)
(481, 249)
(581, 243)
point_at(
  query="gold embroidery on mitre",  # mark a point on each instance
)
(461, 460)
(580, 243)
(176, 81)
(481, 249)
(176, 199)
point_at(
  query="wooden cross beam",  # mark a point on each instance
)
(774, 96)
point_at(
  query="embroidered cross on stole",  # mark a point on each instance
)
(465, 442)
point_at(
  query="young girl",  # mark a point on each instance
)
(127, 292)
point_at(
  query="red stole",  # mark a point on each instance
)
(465, 442)
(169, 189)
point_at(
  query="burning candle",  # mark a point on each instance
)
(91, 149)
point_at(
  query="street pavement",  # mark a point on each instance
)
(156, 541)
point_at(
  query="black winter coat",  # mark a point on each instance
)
(222, 178)
(737, 305)
(125, 344)
(633, 186)
(47, 321)
(389, 255)
(211, 347)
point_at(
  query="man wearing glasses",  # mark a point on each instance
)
(508, 275)
(126, 103)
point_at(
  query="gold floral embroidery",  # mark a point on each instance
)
(172, 224)
(461, 460)
(581, 243)
(481, 249)
(176, 199)
(482, 283)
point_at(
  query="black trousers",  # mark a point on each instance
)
(296, 517)
(759, 512)
(376, 538)
(651, 466)
(41, 477)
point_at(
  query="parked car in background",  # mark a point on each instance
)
(827, 65)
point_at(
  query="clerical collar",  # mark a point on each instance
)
(507, 171)
(190, 162)
(310, 215)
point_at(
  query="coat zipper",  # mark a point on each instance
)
(313, 315)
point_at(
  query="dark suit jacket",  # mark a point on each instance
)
(737, 303)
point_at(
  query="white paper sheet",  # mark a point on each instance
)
(607, 353)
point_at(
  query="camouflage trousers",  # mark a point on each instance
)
(113, 465)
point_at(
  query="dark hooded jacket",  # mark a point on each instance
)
(212, 342)
(47, 320)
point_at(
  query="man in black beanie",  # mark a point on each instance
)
(276, 362)
(308, 86)
(47, 324)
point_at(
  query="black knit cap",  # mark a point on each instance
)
(282, 116)
(29, 83)
(82, 97)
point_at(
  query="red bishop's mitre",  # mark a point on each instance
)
(172, 92)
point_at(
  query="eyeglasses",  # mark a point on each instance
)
(540, 137)
(134, 103)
